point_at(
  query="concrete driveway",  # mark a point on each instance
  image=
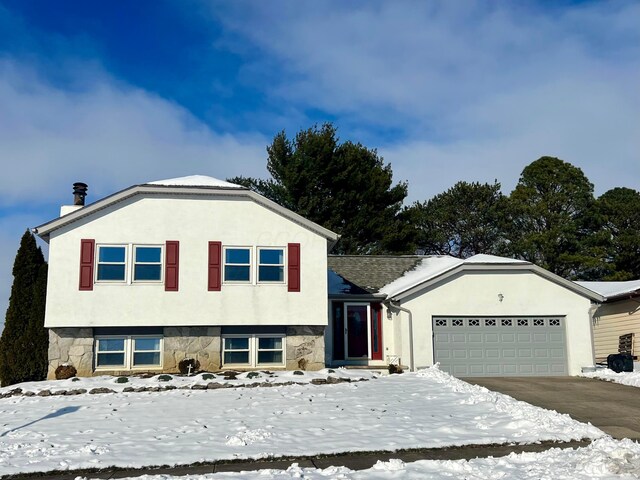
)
(611, 407)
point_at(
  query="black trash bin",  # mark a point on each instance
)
(620, 362)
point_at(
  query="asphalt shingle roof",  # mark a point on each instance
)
(372, 272)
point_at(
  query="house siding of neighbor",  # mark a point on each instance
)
(483, 316)
(618, 315)
(185, 268)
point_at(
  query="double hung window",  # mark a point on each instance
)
(112, 263)
(147, 265)
(237, 264)
(128, 352)
(253, 350)
(270, 265)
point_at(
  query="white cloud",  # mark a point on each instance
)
(106, 134)
(477, 91)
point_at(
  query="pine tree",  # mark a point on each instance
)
(345, 187)
(24, 340)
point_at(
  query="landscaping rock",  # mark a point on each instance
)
(65, 371)
(214, 385)
(128, 389)
(198, 386)
(43, 393)
(94, 391)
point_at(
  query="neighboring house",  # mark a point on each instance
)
(192, 267)
(618, 315)
(483, 316)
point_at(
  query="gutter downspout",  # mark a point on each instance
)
(408, 312)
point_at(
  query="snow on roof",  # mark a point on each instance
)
(195, 181)
(428, 268)
(433, 266)
(482, 258)
(612, 289)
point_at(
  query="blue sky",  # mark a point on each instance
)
(119, 93)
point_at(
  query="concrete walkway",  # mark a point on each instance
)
(611, 407)
(354, 461)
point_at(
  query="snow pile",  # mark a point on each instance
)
(428, 409)
(603, 459)
(625, 378)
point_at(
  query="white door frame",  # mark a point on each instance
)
(346, 330)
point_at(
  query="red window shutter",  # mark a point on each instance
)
(171, 265)
(293, 273)
(87, 249)
(215, 266)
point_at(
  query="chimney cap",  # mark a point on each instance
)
(79, 193)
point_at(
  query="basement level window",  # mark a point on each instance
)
(253, 350)
(128, 352)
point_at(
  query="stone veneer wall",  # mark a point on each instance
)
(200, 343)
(305, 348)
(72, 346)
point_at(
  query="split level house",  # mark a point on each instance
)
(200, 268)
(192, 267)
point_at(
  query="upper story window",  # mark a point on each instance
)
(237, 264)
(129, 263)
(271, 265)
(112, 261)
(147, 264)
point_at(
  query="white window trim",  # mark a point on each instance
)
(283, 265)
(98, 263)
(253, 350)
(129, 264)
(250, 265)
(128, 353)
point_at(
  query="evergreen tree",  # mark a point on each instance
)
(620, 211)
(344, 187)
(465, 220)
(24, 340)
(553, 222)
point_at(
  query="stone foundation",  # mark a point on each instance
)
(305, 348)
(73, 346)
(200, 343)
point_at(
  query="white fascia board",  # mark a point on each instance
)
(506, 267)
(44, 230)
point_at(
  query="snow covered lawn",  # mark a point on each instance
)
(424, 409)
(626, 378)
(604, 459)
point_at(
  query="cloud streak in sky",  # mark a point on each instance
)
(481, 88)
(106, 133)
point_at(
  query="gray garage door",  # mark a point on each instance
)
(500, 346)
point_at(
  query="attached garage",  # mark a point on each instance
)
(490, 316)
(499, 346)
